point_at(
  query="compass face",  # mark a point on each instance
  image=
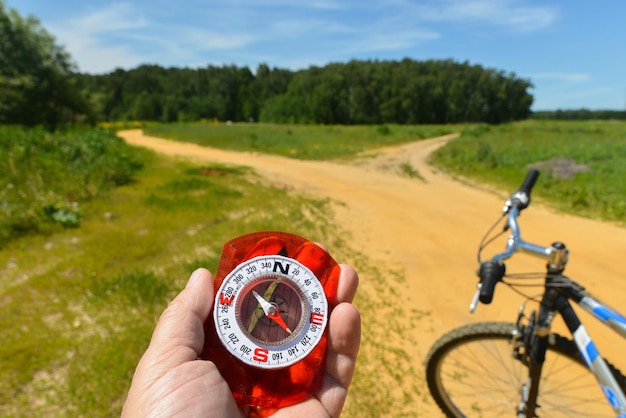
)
(270, 312)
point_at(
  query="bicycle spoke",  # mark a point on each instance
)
(476, 374)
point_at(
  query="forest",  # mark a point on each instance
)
(41, 86)
(357, 92)
(580, 114)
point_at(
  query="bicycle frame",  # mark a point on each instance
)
(557, 299)
(559, 290)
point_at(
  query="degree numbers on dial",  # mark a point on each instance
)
(270, 311)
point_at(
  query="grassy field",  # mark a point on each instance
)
(78, 305)
(47, 176)
(306, 142)
(583, 163)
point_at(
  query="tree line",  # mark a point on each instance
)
(154, 93)
(357, 92)
(39, 85)
(580, 114)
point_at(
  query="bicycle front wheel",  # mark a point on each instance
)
(471, 372)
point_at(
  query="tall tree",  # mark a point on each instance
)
(35, 83)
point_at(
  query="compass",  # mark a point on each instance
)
(270, 312)
(267, 332)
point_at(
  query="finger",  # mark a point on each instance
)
(179, 334)
(344, 339)
(344, 336)
(348, 283)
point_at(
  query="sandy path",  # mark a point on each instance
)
(430, 230)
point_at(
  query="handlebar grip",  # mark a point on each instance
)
(529, 181)
(521, 198)
(491, 272)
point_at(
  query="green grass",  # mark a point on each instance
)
(496, 155)
(407, 170)
(47, 176)
(77, 307)
(384, 383)
(307, 142)
(501, 156)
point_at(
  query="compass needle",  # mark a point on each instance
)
(271, 311)
(275, 316)
(259, 311)
(265, 305)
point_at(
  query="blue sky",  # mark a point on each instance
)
(573, 51)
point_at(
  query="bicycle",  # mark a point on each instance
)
(498, 369)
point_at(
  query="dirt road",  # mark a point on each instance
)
(429, 229)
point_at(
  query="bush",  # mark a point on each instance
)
(582, 163)
(47, 175)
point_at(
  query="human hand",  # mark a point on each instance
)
(171, 379)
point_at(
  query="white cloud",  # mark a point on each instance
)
(119, 36)
(117, 16)
(311, 4)
(510, 13)
(562, 76)
(125, 34)
(85, 38)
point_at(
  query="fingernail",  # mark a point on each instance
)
(194, 277)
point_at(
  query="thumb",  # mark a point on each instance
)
(179, 334)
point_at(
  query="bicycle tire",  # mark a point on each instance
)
(464, 362)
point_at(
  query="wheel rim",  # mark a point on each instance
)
(480, 377)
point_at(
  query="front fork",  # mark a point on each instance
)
(531, 341)
(529, 346)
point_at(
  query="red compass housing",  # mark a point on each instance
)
(266, 334)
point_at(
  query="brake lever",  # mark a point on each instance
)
(474, 302)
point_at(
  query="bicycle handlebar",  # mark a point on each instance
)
(521, 198)
(529, 181)
(492, 271)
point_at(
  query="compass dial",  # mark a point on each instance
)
(270, 312)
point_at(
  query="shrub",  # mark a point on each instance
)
(46, 175)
